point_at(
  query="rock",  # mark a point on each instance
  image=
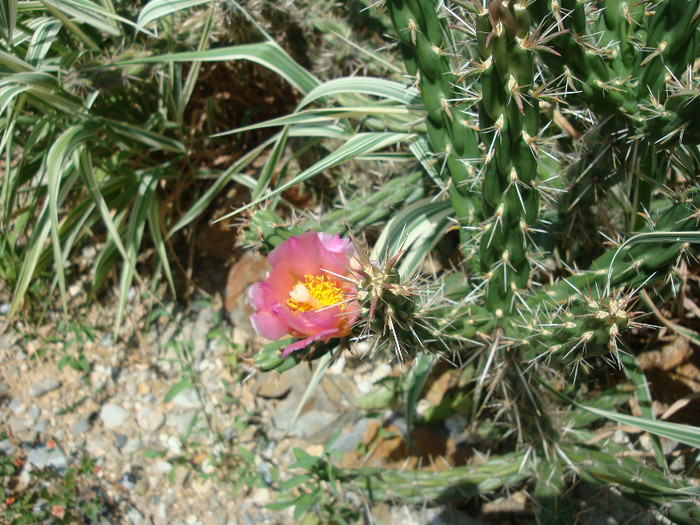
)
(4, 388)
(308, 426)
(113, 415)
(17, 407)
(20, 425)
(188, 399)
(128, 481)
(42, 457)
(97, 447)
(384, 514)
(349, 440)
(272, 385)
(150, 419)
(6, 447)
(120, 441)
(134, 517)
(81, 427)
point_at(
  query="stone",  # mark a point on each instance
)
(42, 457)
(150, 419)
(134, 517)
(188, 399)
(97, 447)
(120, 441)
(272, 385)
(34, 413)
(349, 440)
(6, 447)
(17, 407)
(128, 481)
(81, 426)
(114, 416)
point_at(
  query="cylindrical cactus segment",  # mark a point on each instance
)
(509, 119)
(424, 48)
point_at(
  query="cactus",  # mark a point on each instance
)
(619, 80)
(425, 52)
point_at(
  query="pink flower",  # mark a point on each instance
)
(305, 295)
(58, 511)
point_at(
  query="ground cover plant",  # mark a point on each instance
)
(540, 157)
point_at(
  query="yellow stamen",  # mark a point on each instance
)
(315, 293)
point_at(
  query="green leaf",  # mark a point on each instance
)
(182, 384)
(383, 396)
(145, 136)
(58, 163)
(377, 87)
(8, 18)
(687, 434)
(323, 364)
(304, 460)
(422, 366)
(90, 13)
(650, 237)
(415, 230)
(267, 54)
(42, 39)
(294, 481)
(635, 373)
(357, 146)
(156, 9)
(324, 116)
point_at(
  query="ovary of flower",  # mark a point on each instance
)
(315, 293)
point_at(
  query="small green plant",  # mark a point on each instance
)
(66, 497)
(315, 495)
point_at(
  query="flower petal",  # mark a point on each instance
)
(269, 325)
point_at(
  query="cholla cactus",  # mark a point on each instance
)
(499, 80)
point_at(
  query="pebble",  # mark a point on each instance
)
(113, 415)
(34, 413)
(187, 398)
(42, 457)
(97, 447)
(6, 447)
(119, 441)
(41, 427)
(17, 407)
(150, 419)
(128, 481)
(81, 426)
(348, 441)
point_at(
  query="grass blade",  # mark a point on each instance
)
(156, 9)
(376, 87)
(267, 54)
(357, 146)
(414, 230)
(8, 18)
(422, 366)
